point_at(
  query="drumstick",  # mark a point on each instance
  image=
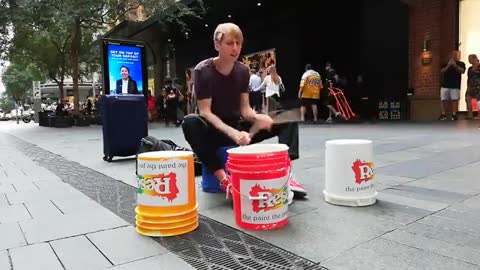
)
(285, 116)
(280, 117)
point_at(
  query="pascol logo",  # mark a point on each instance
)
(275, 198)
(364, 171)
(314, 81)
(160, 185)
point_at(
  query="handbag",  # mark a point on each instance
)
(150, 143)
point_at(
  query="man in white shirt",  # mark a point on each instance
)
(256, 98)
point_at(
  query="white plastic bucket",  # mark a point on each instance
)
(349, 173)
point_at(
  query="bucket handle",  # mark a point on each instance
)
(259, 198)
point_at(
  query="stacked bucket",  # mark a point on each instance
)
(260, 174)
(166, 200)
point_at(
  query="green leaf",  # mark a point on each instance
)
(18, 78)
(58, 36)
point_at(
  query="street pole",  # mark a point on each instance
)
(16, 112)
(37, 100)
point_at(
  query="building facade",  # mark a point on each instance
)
(397, 46)
(433, 34)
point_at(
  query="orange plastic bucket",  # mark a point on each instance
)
(166, 193)
(167, 232)
(167, 226)
(260, 186)
(167, 219)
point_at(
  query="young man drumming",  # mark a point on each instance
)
(225, 116)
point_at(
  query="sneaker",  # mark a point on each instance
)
(339, 115)
(290, 197)
(329, 120)
(226, 186)
(454, 117)
(442, 117)
(297, 189)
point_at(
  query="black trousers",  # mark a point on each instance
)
(205, 140)
(171, 114)
(256, 101)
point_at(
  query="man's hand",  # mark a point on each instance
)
(262, 122)
(241, 137)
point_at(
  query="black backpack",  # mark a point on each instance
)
(150, 143)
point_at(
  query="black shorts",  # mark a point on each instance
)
(309, 101)
(326, 98)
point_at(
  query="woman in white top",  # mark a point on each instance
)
(272, 84)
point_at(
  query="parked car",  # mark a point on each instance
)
(4, 116)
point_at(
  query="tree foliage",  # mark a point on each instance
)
(18, 80)
(97, 14)
(58, 36)
(6, 103)
(5, 26)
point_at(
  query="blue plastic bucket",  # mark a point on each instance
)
(210, 182)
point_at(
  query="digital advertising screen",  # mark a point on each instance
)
(124, 68)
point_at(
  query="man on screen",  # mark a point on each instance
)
(126, 85)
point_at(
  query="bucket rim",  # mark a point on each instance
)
(253, 157)
(159, 155)
(258, 149)
(166, 226)
(341, 142)
(235, 170)
(137, 211)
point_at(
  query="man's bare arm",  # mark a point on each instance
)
(204, 107)
(248, 114)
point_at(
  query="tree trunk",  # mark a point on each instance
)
(62, 73)
(60, 87)
(62, 91)
(75, 64)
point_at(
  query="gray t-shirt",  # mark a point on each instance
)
(224, 90)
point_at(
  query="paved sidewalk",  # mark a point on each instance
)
(427, 215)
(47, 224)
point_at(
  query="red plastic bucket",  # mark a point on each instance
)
(260, 186)
(252, 167)
(248, 161)
(258, 151)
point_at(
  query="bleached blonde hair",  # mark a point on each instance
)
(230, 29)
